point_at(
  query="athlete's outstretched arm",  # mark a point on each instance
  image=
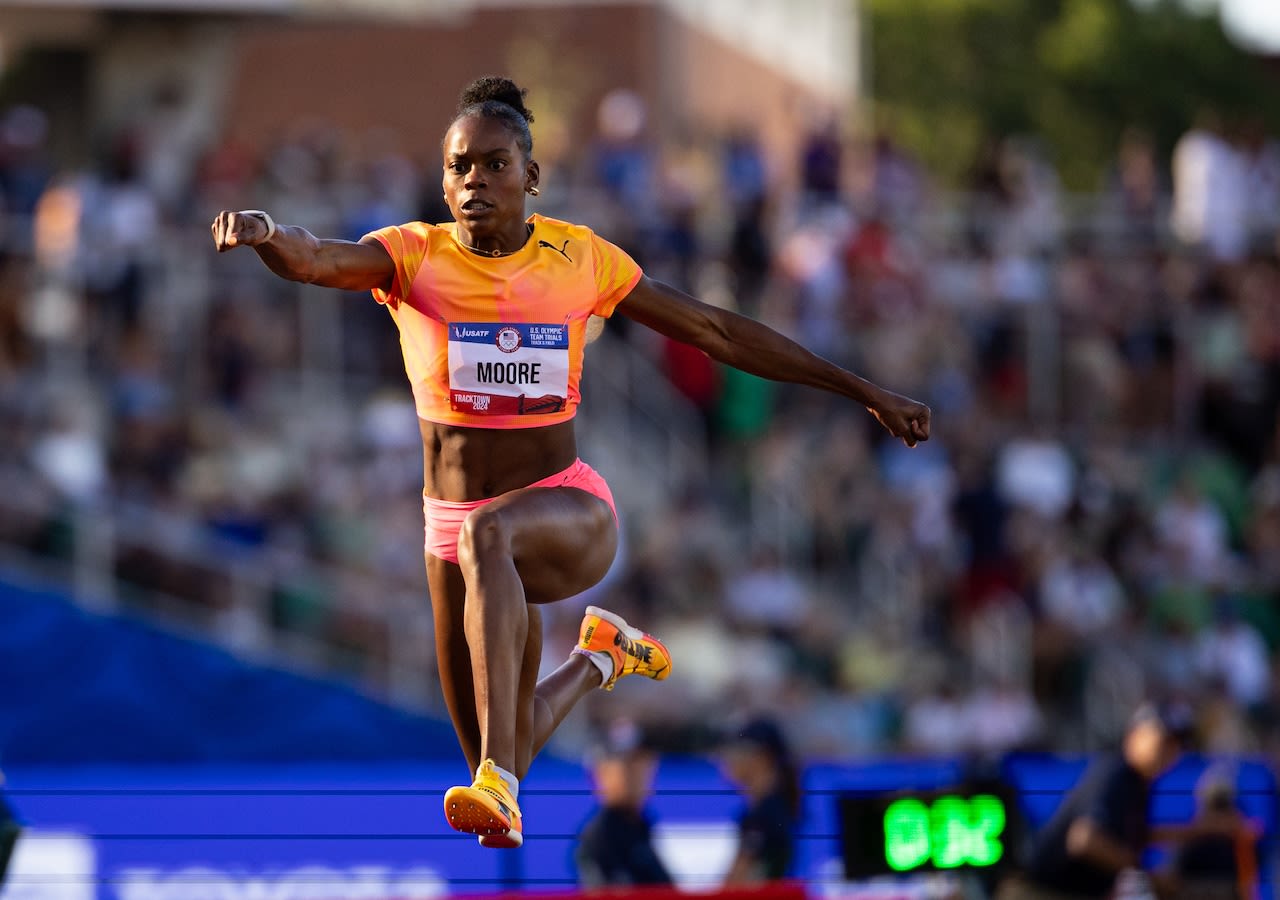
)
(756, 348)
(298, 255)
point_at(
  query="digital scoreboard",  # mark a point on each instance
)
(938, 830)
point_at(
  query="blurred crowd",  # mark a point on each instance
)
(1096, 518)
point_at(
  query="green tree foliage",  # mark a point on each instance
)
(947, 75)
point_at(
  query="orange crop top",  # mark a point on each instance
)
(497, 342)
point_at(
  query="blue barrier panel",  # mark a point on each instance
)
(310, 831)
(284, 832)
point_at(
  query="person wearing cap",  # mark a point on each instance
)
(758, 759)
(1103, 826)
(615, 847)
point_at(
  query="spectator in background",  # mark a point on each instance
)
(1080, 602)
(623, 162)
(1136, 181)
(1002, 716)
(1193, 532)
(743, 168)
(1210, 191)
(1217, 856)
(615, 847)
(1079, 593)
(121, 225)
(767, 595)
(745, 177)
(1261, 159)
(758, 759)
(750, 255)
(1102, 827)
(1232, 650)
(899, 184)
(1217, 859)
(24, 168)
(935, 722)
(820, 162)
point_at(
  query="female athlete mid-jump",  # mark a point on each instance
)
(493, 310)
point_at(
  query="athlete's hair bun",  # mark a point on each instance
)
(495, 89)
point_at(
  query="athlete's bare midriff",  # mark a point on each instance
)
(477, 463)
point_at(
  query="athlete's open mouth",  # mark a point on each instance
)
(476, 205)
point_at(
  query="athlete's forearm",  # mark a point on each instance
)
(741, 342)
(291, 253)
(298, 255)
(756, 348)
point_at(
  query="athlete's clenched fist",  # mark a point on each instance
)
(245, 228)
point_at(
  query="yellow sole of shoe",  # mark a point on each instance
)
(471, 816)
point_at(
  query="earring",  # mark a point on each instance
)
(533, 192)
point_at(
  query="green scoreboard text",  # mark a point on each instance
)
(930, 830)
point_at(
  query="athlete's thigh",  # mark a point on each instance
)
(562, 540)
(453, 657)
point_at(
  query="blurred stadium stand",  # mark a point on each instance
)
(194, 441)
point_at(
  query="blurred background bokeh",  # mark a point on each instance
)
(1055, 221)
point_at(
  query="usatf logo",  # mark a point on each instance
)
(508, 340)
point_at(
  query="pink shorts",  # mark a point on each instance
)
(445, 517)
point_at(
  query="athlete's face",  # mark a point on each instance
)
(486, 176)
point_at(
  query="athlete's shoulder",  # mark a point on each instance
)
(418, 232)
(429, 233)
(544, 225)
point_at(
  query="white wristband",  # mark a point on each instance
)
(262, 214)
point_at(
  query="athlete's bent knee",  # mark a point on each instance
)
(484, 534)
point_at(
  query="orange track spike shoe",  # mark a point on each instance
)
(486, 808)
(632, 651)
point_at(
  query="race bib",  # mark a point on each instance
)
(508, 370)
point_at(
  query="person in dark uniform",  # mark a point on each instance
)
(1102, 827)
(1217, 856)
(615, 847)
(758, 759)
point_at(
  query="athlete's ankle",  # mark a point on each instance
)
(513, 783)
(601, 661)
